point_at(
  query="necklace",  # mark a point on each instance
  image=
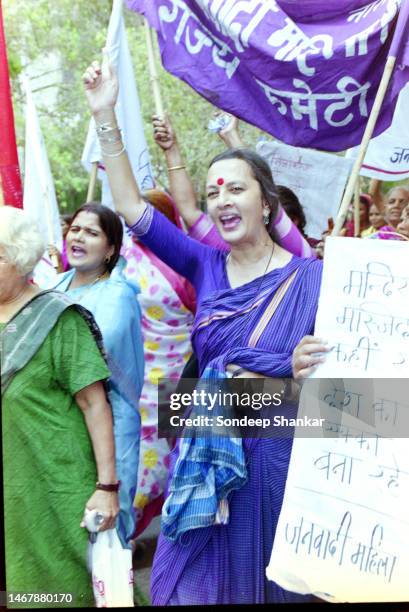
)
(87, 288)
(265, 271)
(229, 260)
(100, 277)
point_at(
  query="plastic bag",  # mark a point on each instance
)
(112, 573)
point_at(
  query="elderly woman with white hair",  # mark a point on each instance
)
(58, 444)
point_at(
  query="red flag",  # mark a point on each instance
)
(9, 168)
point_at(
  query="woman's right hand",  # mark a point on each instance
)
(307, 356)
(106, 503)
(101, 85)
(230, 134)
(163, 132)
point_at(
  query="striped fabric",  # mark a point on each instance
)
(221, 564)
(207, 470)
(271, 308)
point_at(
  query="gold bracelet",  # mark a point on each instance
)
(176, 168)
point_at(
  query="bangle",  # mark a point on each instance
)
(110, 488)
(104, 139)
(103, 128)
(113, 154)
(176, 168)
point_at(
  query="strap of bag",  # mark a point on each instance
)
(270, 310)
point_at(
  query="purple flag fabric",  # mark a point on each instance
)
(305, 71)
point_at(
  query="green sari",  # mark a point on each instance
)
(48, 463)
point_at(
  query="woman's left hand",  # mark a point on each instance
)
(307, 355)
(106, 503)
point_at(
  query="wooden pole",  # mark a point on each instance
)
(370, 126)
(54, 258)
(1, 191)
(356, 210)
(154, 78)
(92, 182)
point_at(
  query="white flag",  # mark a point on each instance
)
(39, 199)
(387, 158)
(127, 110)
(39, 194)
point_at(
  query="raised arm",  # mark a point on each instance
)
(101, 89)
(231, 134)
(181, 187)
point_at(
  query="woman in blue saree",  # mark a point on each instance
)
(96, 281)
(254, 306)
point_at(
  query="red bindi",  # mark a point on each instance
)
(220, 181)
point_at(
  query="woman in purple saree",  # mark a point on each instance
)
(254, 306)
(222, 564)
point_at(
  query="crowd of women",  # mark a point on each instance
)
(238, 287)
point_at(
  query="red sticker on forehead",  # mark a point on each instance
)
(220, 181)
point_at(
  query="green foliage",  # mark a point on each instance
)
(55, 41)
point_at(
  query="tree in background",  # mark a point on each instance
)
(54, 42)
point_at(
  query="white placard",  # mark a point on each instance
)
(343, 531)
(363, 309)
(318, 179)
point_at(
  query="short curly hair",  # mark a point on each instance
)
(21, 239)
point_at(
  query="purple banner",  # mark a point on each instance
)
(305, 71)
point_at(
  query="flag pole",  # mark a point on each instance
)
(92, 182)
(54, 258)
(370, 126)
(356, 210)
(154, 78)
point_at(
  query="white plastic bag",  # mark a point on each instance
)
(112, 573)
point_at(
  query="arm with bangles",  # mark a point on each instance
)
(200, 225)
(98, 418)
(101, 89)
(179, 252)
(180, 185)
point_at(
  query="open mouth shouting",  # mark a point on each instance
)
(77, 252)
(229, 221)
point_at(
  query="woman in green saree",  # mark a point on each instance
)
(56, 424)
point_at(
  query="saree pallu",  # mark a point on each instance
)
(222, 564)
(24, 334)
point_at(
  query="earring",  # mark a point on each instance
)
(107, 259)
(266, 219)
